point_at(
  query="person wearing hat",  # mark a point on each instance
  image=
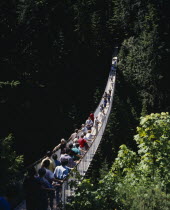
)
(66, 156)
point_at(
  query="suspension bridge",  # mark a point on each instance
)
(82, 167)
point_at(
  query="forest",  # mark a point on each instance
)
(55, 58)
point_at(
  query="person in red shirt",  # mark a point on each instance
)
(92, 116)
(83, 144)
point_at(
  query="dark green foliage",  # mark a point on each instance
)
(136, 180)
(10, 164)
(140, 58)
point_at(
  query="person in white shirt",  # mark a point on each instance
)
(96, 125)
(62, 171)
(85, 136)
(89, 136)
(102, 116)
(75, 142)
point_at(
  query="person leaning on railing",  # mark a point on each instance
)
(73, 135)
(61, 146)
(49, 157)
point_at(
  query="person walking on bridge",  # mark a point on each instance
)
(45, 188)
(108, 97)
(112, 83)
(101, 117)
(83, 144)
(75, 153)
(96, 125)
(32, 190)
(67, 156)
(83, 129)
(56, 161)
(89, 123)
(50, 177)
(60, 173)
(105, 102)
(73, 136)
(92, 116)
(105, 95)
(101, 107)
